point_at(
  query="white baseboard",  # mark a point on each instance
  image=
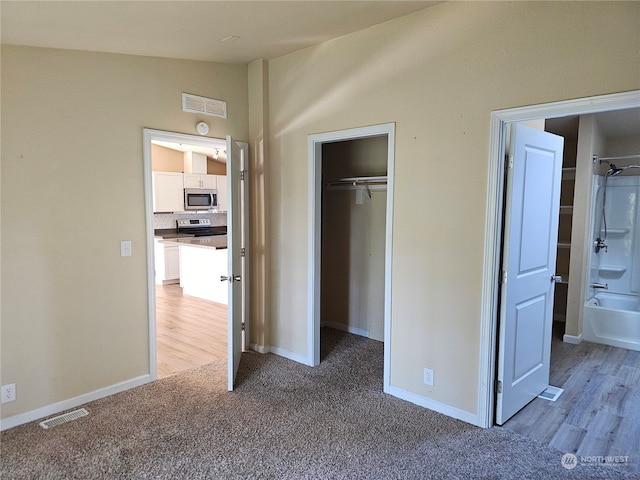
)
(258, 348)
(58, 407)
(296, 357)
(436, 406)
(575, 340)
(346, 328)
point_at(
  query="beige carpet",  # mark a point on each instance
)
(284, 421)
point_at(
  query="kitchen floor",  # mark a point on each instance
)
(190, 332)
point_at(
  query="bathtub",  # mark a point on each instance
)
(612, 319)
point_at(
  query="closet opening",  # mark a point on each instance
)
(354, 196)
(351, 206)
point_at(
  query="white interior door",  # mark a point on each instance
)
(236, 234)
(529, 259)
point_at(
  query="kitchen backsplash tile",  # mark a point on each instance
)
(168, 220)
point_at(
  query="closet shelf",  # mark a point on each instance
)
(569, 173)
(566, 209)
(356, 183)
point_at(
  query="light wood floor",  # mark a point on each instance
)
(190, 332)
(599, 411)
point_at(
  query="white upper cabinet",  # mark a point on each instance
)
(196, 180)
(222, 192)
(195, 163)
(168, 194)
(195, 172)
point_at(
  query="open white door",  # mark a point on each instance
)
(236, 234)
(532, 206)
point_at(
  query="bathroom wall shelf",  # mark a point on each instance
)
(617, 231)
(611, 271)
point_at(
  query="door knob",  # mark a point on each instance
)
(556, 278)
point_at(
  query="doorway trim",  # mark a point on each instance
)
(493, 224)
(315, 143)
(148, 136)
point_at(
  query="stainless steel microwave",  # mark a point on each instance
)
(200, 199)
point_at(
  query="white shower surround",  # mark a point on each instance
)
(612, 317)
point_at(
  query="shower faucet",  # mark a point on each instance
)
(599, 243)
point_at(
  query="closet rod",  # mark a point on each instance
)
(622, 157)
(356, 181)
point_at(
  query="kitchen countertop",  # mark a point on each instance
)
(215, 241)
(170, 233)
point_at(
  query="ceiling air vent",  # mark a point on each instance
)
(207, 106)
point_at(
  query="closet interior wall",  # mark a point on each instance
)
(353, 239)
(566, 127)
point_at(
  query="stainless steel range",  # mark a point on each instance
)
(199, 227)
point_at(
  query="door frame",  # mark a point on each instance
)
(315, 143)
(149, 135)
(490, 307)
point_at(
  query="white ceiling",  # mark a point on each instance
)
(219, 154)
(192, 29)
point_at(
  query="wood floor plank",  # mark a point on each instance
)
(549, 420)
(567, 438)
(599, 411)
(615, 358)
(601, 434)
(190, 332)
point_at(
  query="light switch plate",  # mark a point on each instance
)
(125, 248)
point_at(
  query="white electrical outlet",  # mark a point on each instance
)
(428, 376)
(125, 248)
(8, 393)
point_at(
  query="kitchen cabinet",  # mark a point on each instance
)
(167, 263)
(197, 180)
(222, 192)
(195, 163)
(168, 193)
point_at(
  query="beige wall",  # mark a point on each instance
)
(259, 289)
(165, 159)
(74, 313)
(438, 74)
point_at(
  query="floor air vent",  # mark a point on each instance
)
(67, 417)
(551, 393)
(207, 106)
